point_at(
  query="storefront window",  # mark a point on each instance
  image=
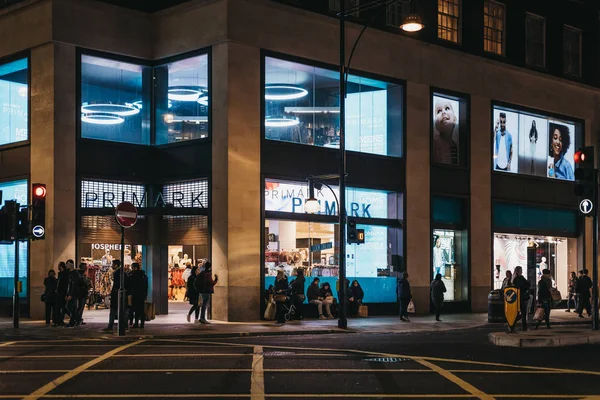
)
(115, 100)
(450, 129)
(14, 101)
(181, 97)
(534, 144)
(449, 259)
(302, 106)
(15, 190)
(553, 253)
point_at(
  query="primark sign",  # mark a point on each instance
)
(190, 194)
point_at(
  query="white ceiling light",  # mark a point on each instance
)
(102, 119)
(122, 110)
(203, 100)
(312, 110)
(281, 122)
(184, 93)
(284, 92)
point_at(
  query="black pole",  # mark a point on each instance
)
(342, 322)
(595, 255)
(122, 292)
(16, 305)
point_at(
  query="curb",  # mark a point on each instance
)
(503, 339)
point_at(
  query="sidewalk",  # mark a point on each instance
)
(174, 325)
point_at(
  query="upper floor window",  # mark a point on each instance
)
(535, 39)
(302, 106)
(115, 100)
(14, 96)
(493, 27)
(181, 100)
(449, 20)
(396, 12)
(572, 50)
(335, 6)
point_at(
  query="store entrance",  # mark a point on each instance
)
(181, 259)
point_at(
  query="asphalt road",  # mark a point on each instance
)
(449, 365)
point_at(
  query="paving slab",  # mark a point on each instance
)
(555, 337)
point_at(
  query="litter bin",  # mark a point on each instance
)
(496, 306)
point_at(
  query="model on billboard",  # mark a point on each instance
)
(560, 141)
(533, 137)
(445, 149)
(503, 149)
(439, 256)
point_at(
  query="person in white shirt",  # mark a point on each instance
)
(503, 149)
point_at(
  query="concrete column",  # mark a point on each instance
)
(236, 168)
(418, 197)
(481, 202)
(53, 113)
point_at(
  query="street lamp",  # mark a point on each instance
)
(412, 23)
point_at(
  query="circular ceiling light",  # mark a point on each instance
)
(184, 93)
(122, 110)
(203, 100)
(412, 23)
(284, 92)
(102, 119)
(281, 122)
(137, 104)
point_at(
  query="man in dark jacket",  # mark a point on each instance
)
(73, 294)
(584, 284)
(84, 287)
(114, 295)
(523, 285)
(207, 290)
(545, 296)
(297, 295)
(314, 297)
(139, 292)
(404, 296)
(61, 294)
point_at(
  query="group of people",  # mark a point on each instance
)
(293, 293)
(66, 294)
(200, 285)
(437, 288)
(580, 293)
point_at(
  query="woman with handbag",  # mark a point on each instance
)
(544, 297)
(49, 296)
(281, 290)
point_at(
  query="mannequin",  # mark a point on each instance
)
(107, 259)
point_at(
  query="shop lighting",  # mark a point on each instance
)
(412, 23)
(122, 110)
(170, 118)
(184, 93)
(311, 205)
(284, 92)
(102, 119)
(312, 110)
(281, 122)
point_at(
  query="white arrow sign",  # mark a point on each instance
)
(586, 206)
(38, 231)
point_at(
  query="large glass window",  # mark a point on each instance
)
(449, 259)
(450, 129)
(181, 96)
(115, 100)
(14, 105)
(534, 144)
(493, 27)
(449, 20)
(572, 50)
(302, 106)
(15, 190)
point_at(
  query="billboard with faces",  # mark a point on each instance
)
(533, 144)
(446, 130)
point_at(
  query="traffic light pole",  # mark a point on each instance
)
(122, 316)
(16, 304)
(595, 256)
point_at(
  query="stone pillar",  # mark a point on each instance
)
(53, 113)
(481, 203)
(236, 191)
(418, 197)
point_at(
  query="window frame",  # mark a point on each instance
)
(395, 13)
(446, 28)
(493, 6)
(572, 29)
(6, 60)
(531, 16)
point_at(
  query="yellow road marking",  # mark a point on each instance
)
(44, 390)
(257, 379)
(186, 355)
(456, 380)
(56, 356)
(205, 395)
(6, 344)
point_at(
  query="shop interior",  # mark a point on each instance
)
(553, 253)
(449, 260)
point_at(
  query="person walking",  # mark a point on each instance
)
(193, 294)
(84, 289)
(139, 293)
(545, 297)
(572, 293)
(207, 290)
(404, 296)
(523, 285)
(281, 288)
(73, 294)
(437, 289)
(50, 284)
(297, 295)
(61, 294)
(584, 285)
(114, 296)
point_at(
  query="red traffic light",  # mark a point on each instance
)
(579, 157)
(39, 191)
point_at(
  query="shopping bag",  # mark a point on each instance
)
(149, 311)
(411, 307)
(555, 293)
(281, 297)
(270, 311)
(539, 314)
(363, 311)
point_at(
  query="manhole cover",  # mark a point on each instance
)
(278, 353)
(386, 359)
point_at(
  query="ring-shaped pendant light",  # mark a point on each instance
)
(102, 119)
(276, 122)
(284, 92)
(122, 110)
(184, 93)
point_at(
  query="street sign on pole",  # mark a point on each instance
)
(586, 206)
(126, 215)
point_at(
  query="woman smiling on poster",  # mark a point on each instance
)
(560, 141)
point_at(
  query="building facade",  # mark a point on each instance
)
(210, 116)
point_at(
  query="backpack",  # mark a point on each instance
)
(199, 282)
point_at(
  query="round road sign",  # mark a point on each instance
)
(586, 206)
(38, 231)
(126, 214)
(510, 296)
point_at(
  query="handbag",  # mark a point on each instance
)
(411, 307)
(270, 311)
(363, 311)
(43, 297)
(281, 297)
(329, 299)
(555, 293)
(539, 314)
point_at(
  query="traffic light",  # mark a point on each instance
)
(8, 216)
(352, 231)
(586, 186)
(360, 236)
(38, 211)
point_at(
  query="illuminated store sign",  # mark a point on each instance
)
(189, 194)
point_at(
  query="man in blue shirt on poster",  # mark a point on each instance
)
(503, 145)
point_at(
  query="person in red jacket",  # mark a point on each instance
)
(206, 289)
